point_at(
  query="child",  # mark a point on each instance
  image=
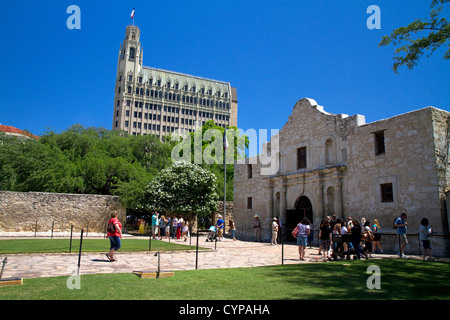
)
(424, 235)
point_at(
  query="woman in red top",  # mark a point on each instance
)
(114, 237)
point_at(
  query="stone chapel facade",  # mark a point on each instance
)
(337, 164)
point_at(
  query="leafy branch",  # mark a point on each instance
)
(438, 35)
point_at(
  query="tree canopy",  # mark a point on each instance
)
(184, 188)
(83, 160)
(100, 161)
(420, 36)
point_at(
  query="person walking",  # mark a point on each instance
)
(280, 229)
(424, 235)
(311, 234)
(355, 238)
(274, 231)
(368, 239)
(233, 229)
(304, 230)
(257, 228)
(185, 230)
(402, 226)
(169, 224)
(179, 224)
(154, 224)
(220, 227)
(376, 231)
(174, 226)
(114, 234)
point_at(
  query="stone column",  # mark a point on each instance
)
(283, 201)
(338, 193)
(320, 199)
(270, 200)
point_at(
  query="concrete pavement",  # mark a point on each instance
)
(229, 254)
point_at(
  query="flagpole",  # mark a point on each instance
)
(224, 177)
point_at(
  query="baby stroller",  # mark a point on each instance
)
(338, 247)
(212, 236)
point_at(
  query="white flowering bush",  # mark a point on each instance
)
(183, 188)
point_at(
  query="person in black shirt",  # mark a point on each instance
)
(325, 238)
(355, 238)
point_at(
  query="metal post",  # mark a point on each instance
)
(71, 232)
(282, 248)
(196, 249)
(418, 238)
(159, 263)
(190, 234)
(3, 267)
(225, 146)
(53, 225)
(79, 253)
(150, 242)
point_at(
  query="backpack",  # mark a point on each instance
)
(295, 231)
(111, 228)
(393, 225)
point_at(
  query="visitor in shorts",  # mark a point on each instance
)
(304, 229)
(155, 223)
(401, 226)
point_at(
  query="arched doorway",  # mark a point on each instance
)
(303, 208)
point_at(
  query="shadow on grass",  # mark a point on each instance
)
(399, 278)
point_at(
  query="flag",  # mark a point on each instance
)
(132, 14)
(225, 141)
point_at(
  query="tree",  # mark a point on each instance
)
(185, 189)
(437, 34)
(204, 147)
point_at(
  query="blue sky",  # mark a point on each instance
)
(274, 52)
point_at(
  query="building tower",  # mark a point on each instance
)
(154, 101)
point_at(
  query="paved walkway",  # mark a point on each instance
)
(229, 254)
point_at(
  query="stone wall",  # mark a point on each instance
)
(344, 173)
(19, 211)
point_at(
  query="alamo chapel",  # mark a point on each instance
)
(337, 164)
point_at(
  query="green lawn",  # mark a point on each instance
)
(89, 245)
(402, 279)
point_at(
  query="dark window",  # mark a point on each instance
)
(249, 171)
(132, 52)
(301, 158)
(249, 203)
(379, 143)
(387, 194)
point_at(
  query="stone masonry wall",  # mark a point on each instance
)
(19, 211)
(344, 173)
